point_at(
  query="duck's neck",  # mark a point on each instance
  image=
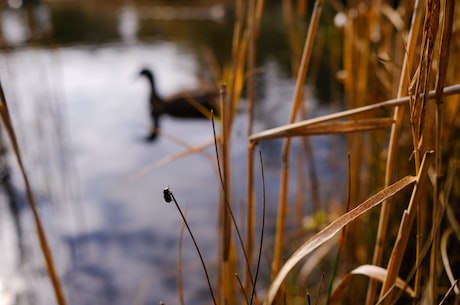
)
(153, 90)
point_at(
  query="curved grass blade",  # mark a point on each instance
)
(375, 272)
(328, 232)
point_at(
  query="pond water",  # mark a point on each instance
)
(80, 114)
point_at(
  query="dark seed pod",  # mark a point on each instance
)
(167, 194)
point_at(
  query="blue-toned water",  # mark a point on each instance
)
(80, 113)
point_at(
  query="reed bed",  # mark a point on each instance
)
(394, 57)
(400, 82)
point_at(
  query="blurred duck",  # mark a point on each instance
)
(192, 104)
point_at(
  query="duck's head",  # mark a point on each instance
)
(146, 72)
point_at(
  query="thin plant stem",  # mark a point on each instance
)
(300, 82)
(341, 239)
(180, 289)
(227, 204)
(167, 192)
(251, 101)
(259, 256)
(443, 57)
(31, 199)
(243, 291)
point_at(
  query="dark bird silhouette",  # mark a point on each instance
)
(192, 104)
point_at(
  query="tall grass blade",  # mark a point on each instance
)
(300, 83)
(405, 226)
(232, 216)
(374, 272)
(398, 115)
(328, 232)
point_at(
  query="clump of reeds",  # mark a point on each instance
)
(387, 54)
(394, 58)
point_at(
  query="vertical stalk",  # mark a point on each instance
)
(227, 273)
(31, 198)
(443, 57)
(300, 83)
(392, 145)
(250, 178)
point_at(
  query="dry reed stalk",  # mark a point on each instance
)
(5, 115)
(294, 30)
(398, 115)
(232, 216)
(227, 264)
(251, 21)
(282, 204)
(397, 102)
(408, 218)
(448, 8)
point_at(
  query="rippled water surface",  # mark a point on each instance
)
(80, 112)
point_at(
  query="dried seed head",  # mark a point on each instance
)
(167, 194)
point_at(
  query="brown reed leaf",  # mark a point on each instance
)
(328, 232)
(393, 144)
(374, 272)
(333, 128)
(266, 134)
(406, 223)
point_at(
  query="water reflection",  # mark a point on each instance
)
(81, 116)
(128, 23)
(216, 12)
(25, 21)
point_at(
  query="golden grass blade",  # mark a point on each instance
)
(374, 272)
(332, 128)
(300, 83)
(5, 115)
(252, 33)
(263, 135)
(406, 225)
(445, 259)
(328, 232)
(398, 115)
(447, 16)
